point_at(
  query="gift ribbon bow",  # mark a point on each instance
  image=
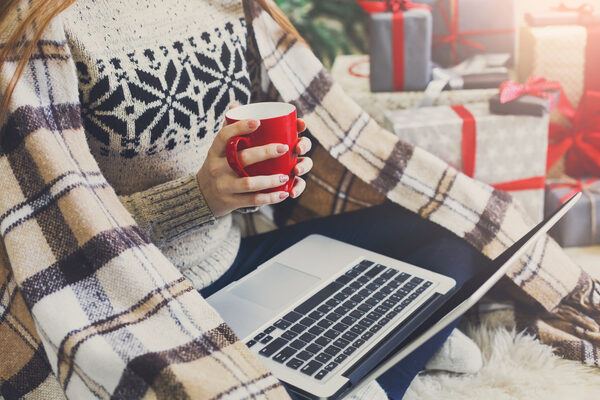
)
(539, 87)
(585, 11)
(373, 7)
(584, 136)
(456, 36)
(589, 187)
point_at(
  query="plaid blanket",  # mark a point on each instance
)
(556, 299)
(90, 308)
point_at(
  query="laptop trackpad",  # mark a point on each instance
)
(275, 286)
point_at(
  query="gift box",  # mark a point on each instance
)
(399, 45)
(581, 225)
(462, 28)
(505, 151)
(351, 72)
(569, 54)
(536, 97)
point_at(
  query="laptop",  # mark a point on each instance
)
(327, 317)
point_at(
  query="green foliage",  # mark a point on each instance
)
(331, 27)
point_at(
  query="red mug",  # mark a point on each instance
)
(277, 125)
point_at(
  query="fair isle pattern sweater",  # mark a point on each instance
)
(153, 93)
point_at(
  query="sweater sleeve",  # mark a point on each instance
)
(170, 210)
(115, 318)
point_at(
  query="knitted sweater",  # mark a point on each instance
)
(153, 94)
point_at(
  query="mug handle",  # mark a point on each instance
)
(231, 152)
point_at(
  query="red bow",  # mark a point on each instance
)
(539, 87)
(455, 36)
(576, 185)
(373, 7)
(581, 142)
(585, 11)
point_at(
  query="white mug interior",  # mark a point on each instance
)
(261, 111)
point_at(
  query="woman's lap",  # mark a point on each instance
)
(387, 229)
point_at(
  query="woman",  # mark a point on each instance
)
(154, 80)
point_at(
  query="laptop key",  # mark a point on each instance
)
(323, 357)
(284, 355)
(358, 329)
(373, 315)
(304, 355)
(364, 292)
(341, 343)
(357, 298)
(307, 321)
(382, 309)
(353, 273)
(331, 366)
(374, 270)
(364, 308)
(391, 314)
(272, 347)
(340, 296)
(388, 303)
(358, 342)
(386, 290)
(316, 299)
(389, 273)
(340, 327)
(321, 374)
(344, 279)
(333, 317)
(398, 308)
(294, 363)
(269, 329)
(416, 280)
(316, 315)
(324, 323)
(250, 343)
(341, 310)
(427, 284)
(348, 320)
(373, 286)
(363, 279)
(379, 295)
(349, 350)
(314, 348)
(350, 304)
(357, 313)
(372, 301)
(282, 324)
(260, 336)
(316, 330)
(367, 335)
(340, 358)
(311, 367)
(324, 308)
(298, 344)
(375, 328)
(289, 335)
(266, 339)
(383, 321)
(298, 328)
(323, 341)
(331, 334)
(350, 336)
(333, 350)
(292, 316)
(333, 302)
(366, 322)
(356, 285)
(379, 280)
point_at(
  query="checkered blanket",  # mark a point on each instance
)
(556, 299)
(90, 308)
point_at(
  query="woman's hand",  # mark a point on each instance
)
(225, 191)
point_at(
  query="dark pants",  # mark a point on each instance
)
(387, 229)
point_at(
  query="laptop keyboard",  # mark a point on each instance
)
(321, 333)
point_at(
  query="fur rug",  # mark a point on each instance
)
(515, 366)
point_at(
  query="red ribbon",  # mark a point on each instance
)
(455, 36)
(469, 151)
(581, 142)
(539, 87)
(397, 7)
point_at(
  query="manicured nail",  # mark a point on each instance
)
(282, 148)
(283, 195)
(253, 124)
(283, 178)
(300, 170)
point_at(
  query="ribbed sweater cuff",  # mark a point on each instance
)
(170, 210)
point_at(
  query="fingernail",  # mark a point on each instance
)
(283, 195)
(283, 178)
(300, 170)
(253, 124)
(282, 148)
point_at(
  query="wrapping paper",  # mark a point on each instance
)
(508, 147)
(524, 105)
(556, 17)
(557, 53)
(581, 225)
(478, 29)
(356, 84)
(416, 49)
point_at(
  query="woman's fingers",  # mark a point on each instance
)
(261, 199)
(301, 125)
(299, 186)
(239, 128)
(257, 183)
(304, 165)
(304, 145)
(262, 153)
